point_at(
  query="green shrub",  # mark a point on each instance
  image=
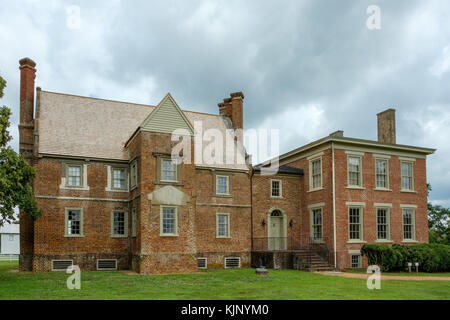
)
(431, 257)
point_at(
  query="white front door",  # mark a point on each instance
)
(277, 240)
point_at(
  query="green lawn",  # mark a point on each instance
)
(412, 274)
(214, 284)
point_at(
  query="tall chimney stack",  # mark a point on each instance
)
(26, 125)
(233, 108)
(386, 126)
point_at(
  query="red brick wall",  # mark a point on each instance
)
(371, 196)
(290, 203)
(49, 240)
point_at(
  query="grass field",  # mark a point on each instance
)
(209, 285)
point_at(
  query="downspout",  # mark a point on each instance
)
(251, 206)
(334, 206)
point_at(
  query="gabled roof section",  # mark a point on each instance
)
(167, 117)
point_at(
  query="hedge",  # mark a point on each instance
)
(431, 257)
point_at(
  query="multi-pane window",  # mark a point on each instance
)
(74, 176)
(407, 176)
(133, 174)
(354, 171)
(119, 178)
(169, 220)
(408, 224)
(133, 222)
(381, 173)
(222, 184)
(74, 222)
(276, 188)
(355, 221)
(383, 223)
(223, 221)
(316, 173)
(119, 223)
(317, 224)
(169, 170)
(355, 261)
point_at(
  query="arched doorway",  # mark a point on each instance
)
(277, 230)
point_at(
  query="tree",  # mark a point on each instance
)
(438, 223)
(16, 175)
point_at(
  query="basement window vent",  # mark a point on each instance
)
(61, 265)
(106, 264)
(202, 263)
(232, 263)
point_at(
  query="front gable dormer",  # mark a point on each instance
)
(166, 118)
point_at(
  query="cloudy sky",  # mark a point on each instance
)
(307, 68)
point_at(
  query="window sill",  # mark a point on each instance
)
(74, 236)
(410, 241)
(383, 189)
(173, 183)
(317, 189)
(384, 241)
(356, 188)
(118, 236)
(276, 197)
(117, 190)
(74, 188)
(169, 235)
(223, 195)
(356, 242)
(223, 237)
(408, 191)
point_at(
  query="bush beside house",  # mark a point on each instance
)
(431, 257)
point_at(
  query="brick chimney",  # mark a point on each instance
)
(26, 125)
(386, 126)
(233, 108)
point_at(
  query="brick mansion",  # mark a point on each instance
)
(113, 198)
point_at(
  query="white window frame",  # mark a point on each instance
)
(133, 222)
(360, 206)
(217, 184)
(225, 262)
(386, 159)
(358, 156)
(228, 225)
(125, 188)
(163, 159)
(387, 207)
(280, 188)
(413, 208)
(206, 263)
(161, 229)
(66, 223)
(114, 235)
(106, 269)
(354, 254)
(312, 159)
(317, 206)
(411, 162)
(60, 270)
(65, 176)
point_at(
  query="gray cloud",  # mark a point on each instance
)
(306, 67)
